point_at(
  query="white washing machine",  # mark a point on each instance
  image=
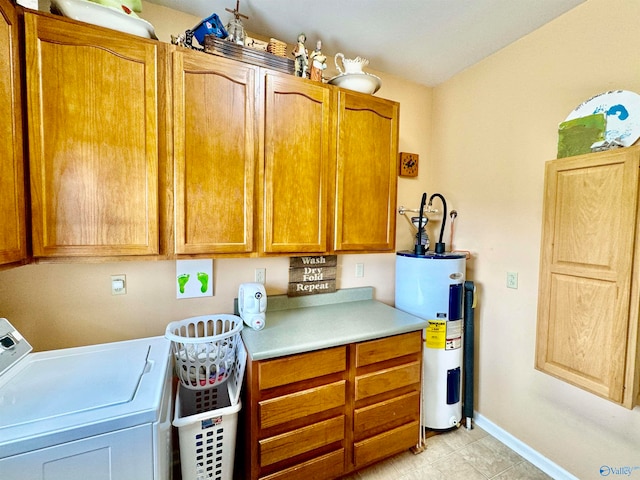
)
(100, 412)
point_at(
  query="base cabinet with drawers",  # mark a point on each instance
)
(326, 413)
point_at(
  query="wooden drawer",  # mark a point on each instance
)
(289, 444)
(386, 444)
(391, 413)
(387, 380)
(387, 348)
(294, 368)
(301, 404)
(326, 467)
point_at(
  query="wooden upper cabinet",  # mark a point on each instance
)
(588, 294)
(298, 164)
(12, 201)
(367, 152)
(214, 142)
(93, 102)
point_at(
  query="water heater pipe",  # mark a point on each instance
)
(469, 305)
(420, 248)
(440, 246)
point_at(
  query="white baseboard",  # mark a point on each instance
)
(521, 448)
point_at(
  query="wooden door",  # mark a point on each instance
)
(366, 182)
(214, 153)
(297, 165)
(93, 138)
(586, 268)
(12, 203)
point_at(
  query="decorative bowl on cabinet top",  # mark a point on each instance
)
(102, 16)
(358, 82)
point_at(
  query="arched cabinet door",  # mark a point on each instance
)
(93, 103)
(366, 174)
(13, 247)
(214, 148)
(298, 164)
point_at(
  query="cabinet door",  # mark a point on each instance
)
(367, 151)
(586, 266)
(297, 165)
(12, 209)
(214, 153)
(93, 139)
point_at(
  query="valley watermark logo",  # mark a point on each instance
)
(606, 470)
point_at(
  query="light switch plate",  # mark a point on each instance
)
(118, 284)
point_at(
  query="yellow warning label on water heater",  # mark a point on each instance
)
(436, 334)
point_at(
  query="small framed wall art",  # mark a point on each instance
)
(409, 164)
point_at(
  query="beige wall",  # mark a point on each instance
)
(494, 126)
(483, 138)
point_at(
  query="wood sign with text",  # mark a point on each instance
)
(312, 275)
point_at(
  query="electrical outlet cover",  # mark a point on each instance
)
(194, 278)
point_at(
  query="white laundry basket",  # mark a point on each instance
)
(204, 348)
(207, 422)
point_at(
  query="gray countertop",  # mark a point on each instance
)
(302, 324)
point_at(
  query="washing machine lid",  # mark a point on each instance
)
(56, 383)
(62, 395)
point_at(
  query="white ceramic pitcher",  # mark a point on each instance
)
(350, 65)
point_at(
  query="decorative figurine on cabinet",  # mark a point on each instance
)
(235, 28)
(318, 63)
(302, 57)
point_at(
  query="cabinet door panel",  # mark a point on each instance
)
(301, 404)
(93, 138)
(586, 265)
(367, 151)
(386, 380)
(386, 444)
(12, 208)
(297, 165)
(305, 439)
(383, 349)
(374, 419)
(304, 366)
(214, 152)
(326, 467)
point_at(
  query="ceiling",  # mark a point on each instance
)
(427, 41)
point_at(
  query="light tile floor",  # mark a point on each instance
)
(459, 454)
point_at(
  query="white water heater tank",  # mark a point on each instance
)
(431, 287)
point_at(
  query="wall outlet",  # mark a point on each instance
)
(359, 270)
(118, 284)
(261, 275)
(512, 280)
